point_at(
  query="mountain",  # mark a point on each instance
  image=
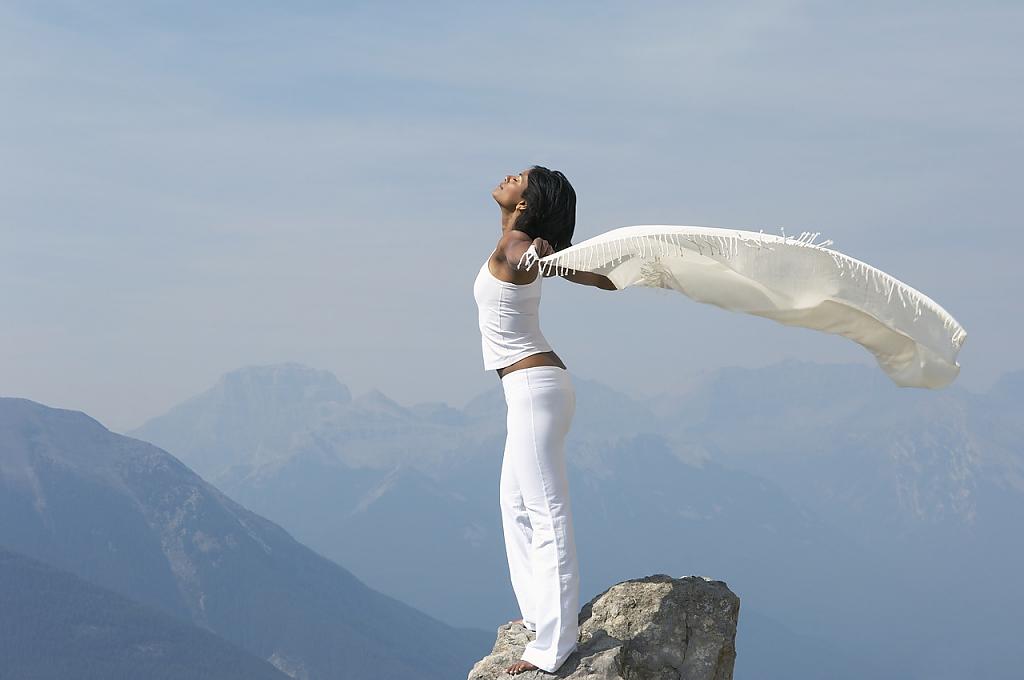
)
(869, 493)
(849, 445)
(55, 625)
(128, 516)
(248, 417)
(932, 482)
(255, 419)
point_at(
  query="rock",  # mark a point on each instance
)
(652, 628)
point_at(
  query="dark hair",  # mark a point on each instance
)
(550, 211)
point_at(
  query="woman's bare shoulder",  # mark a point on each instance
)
(512, 241)
(514, 236)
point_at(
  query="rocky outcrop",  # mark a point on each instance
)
(652, 628)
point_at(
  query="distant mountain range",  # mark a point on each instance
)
(55, 625)
(127, 516)
(822, 494)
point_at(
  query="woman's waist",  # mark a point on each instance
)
(541, 366)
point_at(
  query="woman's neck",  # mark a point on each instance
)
(508, 220)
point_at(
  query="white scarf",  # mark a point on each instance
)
(789, 279)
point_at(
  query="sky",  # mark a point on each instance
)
(189, 188)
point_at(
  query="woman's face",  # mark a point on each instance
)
(509, 193)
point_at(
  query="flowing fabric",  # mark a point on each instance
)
(789, 279)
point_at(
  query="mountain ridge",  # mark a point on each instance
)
(128, 516)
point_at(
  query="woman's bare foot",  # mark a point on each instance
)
(523, 624)
(519, 667)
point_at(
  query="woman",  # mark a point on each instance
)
(538, 210)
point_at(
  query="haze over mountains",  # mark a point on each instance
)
(879, 520)
(871, 531)
(129, 517)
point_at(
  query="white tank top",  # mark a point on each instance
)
(509, 318)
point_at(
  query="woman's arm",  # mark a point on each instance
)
(518, 243)
(585, 278)
(590, 279)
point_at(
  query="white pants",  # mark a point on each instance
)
(535, 510)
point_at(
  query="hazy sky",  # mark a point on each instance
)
(187, 188)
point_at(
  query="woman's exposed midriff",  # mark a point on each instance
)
(538, 359)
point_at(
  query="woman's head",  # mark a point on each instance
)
(545, 203)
